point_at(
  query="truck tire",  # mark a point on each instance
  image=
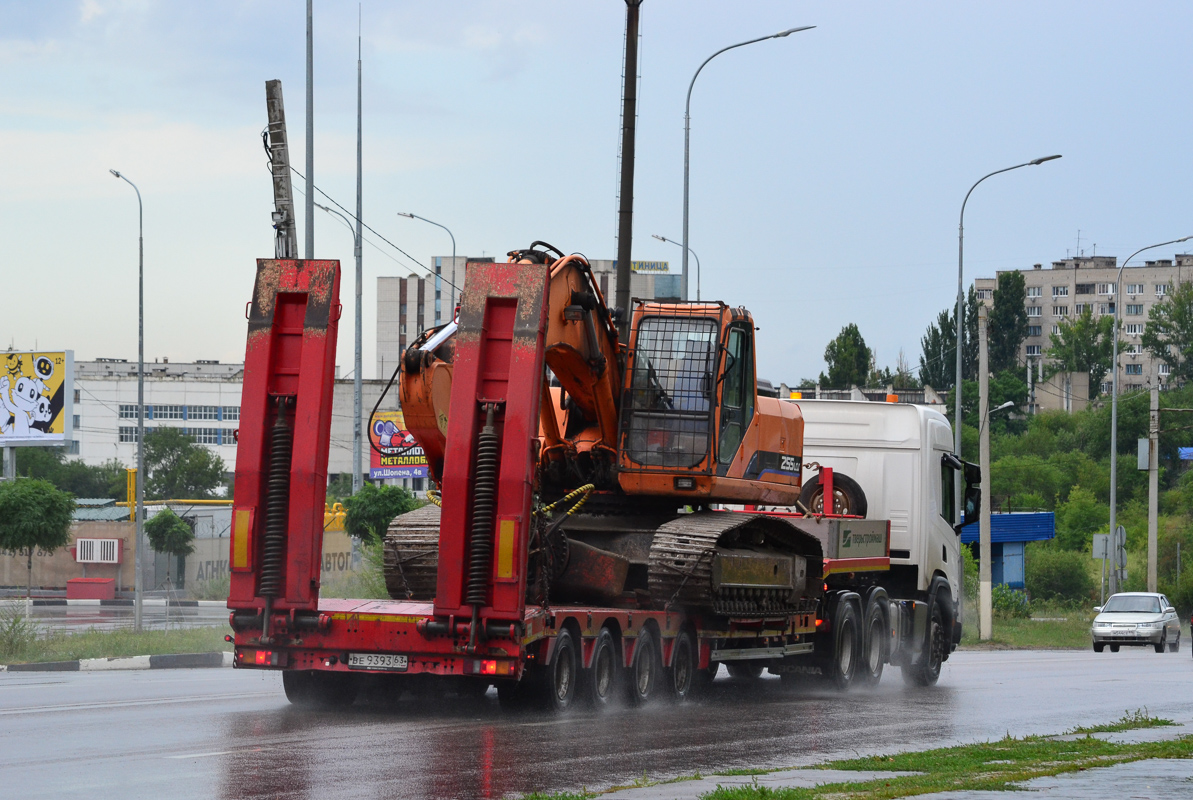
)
(644, 668)
(848, 497)
(681, 675)
(562, 672)
(313, 689)
(600, 680)
(875, 642)
(926, 671)
(840, 666)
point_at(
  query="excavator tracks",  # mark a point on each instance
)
(684, 551)
(412, 554)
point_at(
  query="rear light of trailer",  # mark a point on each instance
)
(261, 658)
(488, 666)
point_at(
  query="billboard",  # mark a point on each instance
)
(36, 398)
(394, 453)
(649, 266)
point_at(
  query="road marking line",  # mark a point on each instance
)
(216, 753)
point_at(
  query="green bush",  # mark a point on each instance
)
(214, 589)
(1058, 575)
(1008, 602)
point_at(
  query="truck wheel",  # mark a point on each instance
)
(644, 669)
(841, 664)
(874, 652)
(926, 671)
(600, 680)
(848, 497)
(562, 671)
(311, 689)
(681, 677)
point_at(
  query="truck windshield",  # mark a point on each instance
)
(669, 413)
(1126, 604)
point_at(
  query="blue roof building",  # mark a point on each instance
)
(1009, 535)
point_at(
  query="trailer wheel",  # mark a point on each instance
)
(600, 680)
(744, 670)
(926, 671)
(875, 645)
(841, 664)
(682, 674)
(311, 689)
(644, 668)
(562, 672)
(848, 497)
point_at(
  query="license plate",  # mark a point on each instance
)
(378, 661)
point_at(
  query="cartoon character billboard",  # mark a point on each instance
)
(394, 452)
(36, 398)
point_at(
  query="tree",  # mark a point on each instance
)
(1007, 325)
(169, 533)
(848, 359)
(370, 510)
(1079, 518)
(1084, 344)
(34, 516)
(177, 467)
(938, 361)
(82, 480)
(1169, 332)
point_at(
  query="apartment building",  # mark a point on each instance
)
(407, 306)
(1072, 285)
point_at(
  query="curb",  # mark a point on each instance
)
(148, 601)
(174, 661)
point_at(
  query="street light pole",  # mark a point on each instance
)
(357, 411)
(452, 282)
(1118, 285)
(961, 312)
(138, 580)
(677, 244)
(687, 128)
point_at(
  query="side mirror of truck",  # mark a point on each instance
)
(972, 496)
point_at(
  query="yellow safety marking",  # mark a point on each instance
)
(350, 617)
(242, 525)
(506, 536)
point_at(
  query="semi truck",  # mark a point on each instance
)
(584, 547)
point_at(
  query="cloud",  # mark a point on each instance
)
(89, 10)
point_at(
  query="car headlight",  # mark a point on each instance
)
(1101, 624)
(1149, 626)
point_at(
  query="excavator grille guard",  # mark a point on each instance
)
(667, 410)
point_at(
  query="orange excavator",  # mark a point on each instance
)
(646, 437)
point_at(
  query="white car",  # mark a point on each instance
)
(1137, 618)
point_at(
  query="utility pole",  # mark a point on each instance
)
(1153, 483)
(310, 198)
(625, 210)
(286, 240)
(985, 590)
(357, 410)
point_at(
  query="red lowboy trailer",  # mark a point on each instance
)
(480, 629)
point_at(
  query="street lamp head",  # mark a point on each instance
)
(660, 238)
(406, 214)
(790, 31)
(1037, 161)
(1007, 404)
(114, 172)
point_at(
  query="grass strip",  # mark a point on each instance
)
(1131, 720)
(990, 766)
(60, 646)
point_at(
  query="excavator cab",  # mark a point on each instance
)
(692, 421)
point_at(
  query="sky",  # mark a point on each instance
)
(827, 168)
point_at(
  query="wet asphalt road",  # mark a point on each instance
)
(231, 734)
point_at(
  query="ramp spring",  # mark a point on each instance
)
(281, 442)
(484, 489)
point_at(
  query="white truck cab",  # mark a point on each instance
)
(901, 456)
